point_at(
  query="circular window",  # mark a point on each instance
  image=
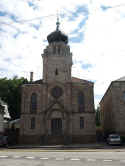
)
(56, 92)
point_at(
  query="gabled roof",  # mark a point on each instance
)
(118, 80)
(73, 79)
(78, 80)
(121, 79)
(38, 81)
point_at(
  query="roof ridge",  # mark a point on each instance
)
(121, 79)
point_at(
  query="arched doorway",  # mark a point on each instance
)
(56, 126)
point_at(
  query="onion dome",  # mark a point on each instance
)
(57, 36)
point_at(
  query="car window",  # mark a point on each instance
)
(114, 136)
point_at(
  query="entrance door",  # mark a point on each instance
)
(56, 126)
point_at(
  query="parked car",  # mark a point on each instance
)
(114, 139)
(3, 141)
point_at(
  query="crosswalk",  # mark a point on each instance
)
(58, 158)
(3, 156)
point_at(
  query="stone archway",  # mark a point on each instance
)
(57, 126)
(55, 121)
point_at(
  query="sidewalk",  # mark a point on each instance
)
(59, 147)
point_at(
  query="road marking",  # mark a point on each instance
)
(91, 159)
(16, 156)
(29, 157)
(44, 158)
(107, 160)
(59, 158)
(75, 159)
(4, 156)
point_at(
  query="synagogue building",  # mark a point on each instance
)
(58, 109)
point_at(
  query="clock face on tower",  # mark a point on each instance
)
(56, 92)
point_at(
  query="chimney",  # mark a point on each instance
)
(31, 76)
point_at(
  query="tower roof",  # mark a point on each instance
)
(57, 35)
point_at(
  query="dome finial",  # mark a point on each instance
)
(57, 23)
(57, 35)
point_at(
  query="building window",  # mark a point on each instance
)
(124, 96)
(24, 104)
(33, 103)
(54, 50)
(56, 92)
(81, 122)
(80, 102)
(32, 123)
(58, 50)
(56, 72)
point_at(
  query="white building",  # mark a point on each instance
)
(4, 116)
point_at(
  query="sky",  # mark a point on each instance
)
(96, 31)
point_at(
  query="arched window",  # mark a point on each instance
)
(32, 123)
(80, 101)
(33, 103)
(81, 122)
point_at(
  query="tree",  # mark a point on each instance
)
(10, 92)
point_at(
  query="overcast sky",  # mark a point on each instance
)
(96, 31)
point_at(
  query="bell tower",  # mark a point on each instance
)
(57, 58)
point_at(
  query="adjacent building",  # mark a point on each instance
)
(4, 117)
(58, 109)
(112, 107)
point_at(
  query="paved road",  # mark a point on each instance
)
(64, 158)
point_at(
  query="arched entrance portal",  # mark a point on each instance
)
(56, 123)
(57, 126)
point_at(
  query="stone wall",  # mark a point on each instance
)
(118, 93)
(67, 107)
(112, 108)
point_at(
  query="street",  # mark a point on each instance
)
(22, 157)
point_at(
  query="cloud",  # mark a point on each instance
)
(104, 8)
(95, 30)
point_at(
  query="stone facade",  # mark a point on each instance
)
(112, 107)
(64, 105)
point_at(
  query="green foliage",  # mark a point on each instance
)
(10, 92)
